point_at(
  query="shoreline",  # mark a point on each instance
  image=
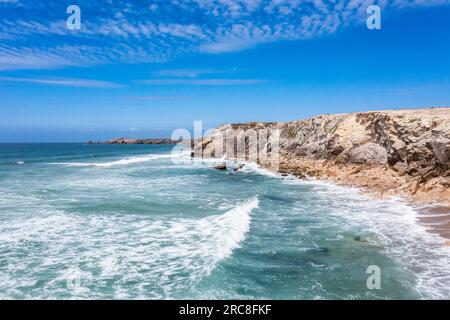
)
(393, 153)
(434, 217)
(332, 221)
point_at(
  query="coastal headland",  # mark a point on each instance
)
(135, 141)
(392, 153)
(395, 153)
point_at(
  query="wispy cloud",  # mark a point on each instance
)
(203, 82)
(157, 98)
(9, 2)
(130, 32)
(81, 83)
(185, 73)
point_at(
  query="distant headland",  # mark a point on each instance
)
(135, 141)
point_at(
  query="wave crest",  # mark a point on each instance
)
(121, 162)
(168, 255)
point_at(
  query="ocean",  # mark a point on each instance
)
(147, 222)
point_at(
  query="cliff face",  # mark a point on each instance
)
(403, 152)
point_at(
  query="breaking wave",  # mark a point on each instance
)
(168, 254)
(121, 162)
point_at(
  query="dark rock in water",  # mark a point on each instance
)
(192, 154)
(278, 198)
(320, 250)
(300, 175)
(358, 239)
(239, 167)
(221, 167)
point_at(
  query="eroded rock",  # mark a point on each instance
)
(368, 153)
(221, 167)
(401, 152)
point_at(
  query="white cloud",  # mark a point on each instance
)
(81, 83)
(203, 82)
(9, 2)
(185, 73)
(128, 32)
(157, 98)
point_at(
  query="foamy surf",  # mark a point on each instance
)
(394, 226)
(234, 225)
(121, 162)
(251, 167)
(187, 231)
(172, 253)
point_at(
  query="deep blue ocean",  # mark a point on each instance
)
(147, 222)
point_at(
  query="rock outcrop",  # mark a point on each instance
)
(221, 167)
(401, 152)
(140, 141)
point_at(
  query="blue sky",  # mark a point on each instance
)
(144, 68)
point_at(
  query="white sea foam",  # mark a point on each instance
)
(249, 167)
(395, 227)
(121, 162)
(20, 162)
(164, 256)
(253, 167)
(393, 223)
(168, 254)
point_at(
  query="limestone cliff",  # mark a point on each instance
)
(401, 152)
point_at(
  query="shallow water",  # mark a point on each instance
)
(134, 222)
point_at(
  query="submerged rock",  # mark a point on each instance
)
(359, 239)
(320, 250)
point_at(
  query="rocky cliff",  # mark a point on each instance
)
(137, 141)
(402, 152)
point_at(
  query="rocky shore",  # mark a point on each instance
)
(389, 153)
(135, 141)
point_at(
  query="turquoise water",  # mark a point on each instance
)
(143, 222)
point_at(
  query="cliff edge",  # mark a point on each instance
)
(393, 153)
